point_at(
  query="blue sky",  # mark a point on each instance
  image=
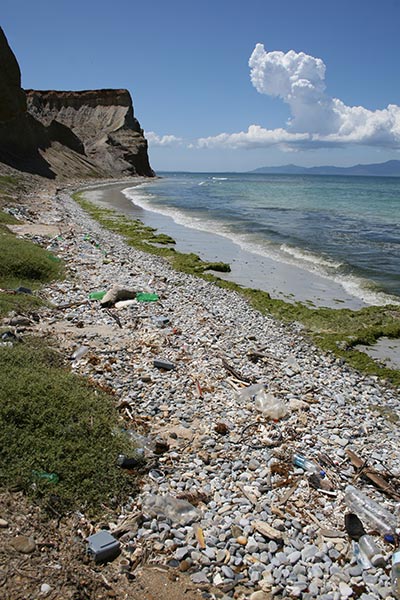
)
(202, 106)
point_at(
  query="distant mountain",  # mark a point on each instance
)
(390, 168)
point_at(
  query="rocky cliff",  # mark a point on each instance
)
(91, 133)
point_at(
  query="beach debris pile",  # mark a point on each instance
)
(258, 445)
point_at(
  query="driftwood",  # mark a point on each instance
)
(115, 317)
(372, 474)
(233, 372)
(70, 304)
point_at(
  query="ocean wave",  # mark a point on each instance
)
(307, 256)
(319, 265)
(219, 178)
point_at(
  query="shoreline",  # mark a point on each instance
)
(281, 280)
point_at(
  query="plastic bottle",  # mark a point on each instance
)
(308, 465)
(49, 477)
(395, 574)
(368, 546)
(376, 516)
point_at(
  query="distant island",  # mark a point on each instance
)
(390, 168)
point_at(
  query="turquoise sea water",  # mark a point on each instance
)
(345, 228)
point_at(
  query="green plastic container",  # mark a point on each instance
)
(144, 297)
(49, 477)
(97, 295)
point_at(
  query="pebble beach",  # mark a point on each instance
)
(223, 500)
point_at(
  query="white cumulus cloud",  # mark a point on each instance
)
(317, 119)
(162, 140)
(254, 137)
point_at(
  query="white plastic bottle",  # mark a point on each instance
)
(368, 546)
(367, 509)
(395, 574)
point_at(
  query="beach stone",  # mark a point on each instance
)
(260, 595)
(345, 590)
(252, 545)
(227, 571)
(184, 565)
(23, 544)
(272, 546)
(45, 589)
(3, 523)
(199, 577)
(294, 557)
(309, 552)
(181, 553)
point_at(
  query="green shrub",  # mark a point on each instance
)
(52, 421)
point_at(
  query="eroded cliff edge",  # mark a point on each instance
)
(91, 133)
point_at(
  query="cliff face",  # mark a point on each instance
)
(104, 122)
(68, 134)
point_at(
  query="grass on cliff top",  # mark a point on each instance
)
(53, 422)
(335, 330)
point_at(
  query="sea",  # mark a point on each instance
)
(338, 228)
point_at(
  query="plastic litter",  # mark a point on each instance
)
(307, 465)
(250, 391)
(178, 511)
(97, 295)
(163, 364)
(81, 351)
(48, 477)
(270, 406)
(395, 574)
(370, 511)
(368, 546)
(103, 546)
(146, 297)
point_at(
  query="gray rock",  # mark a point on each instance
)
(199, 577)
(181, 553)
(294, 557)
(23, 544)
(227, 571)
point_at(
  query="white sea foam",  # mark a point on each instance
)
(219, 178)
(354, 286)
(307, 256)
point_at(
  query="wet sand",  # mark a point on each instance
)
(279, 279)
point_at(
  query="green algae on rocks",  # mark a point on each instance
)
(331, 329)
(145, 238)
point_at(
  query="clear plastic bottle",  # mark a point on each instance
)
(368, 546)
(395, 574)
(373, 513)
(308, 465)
